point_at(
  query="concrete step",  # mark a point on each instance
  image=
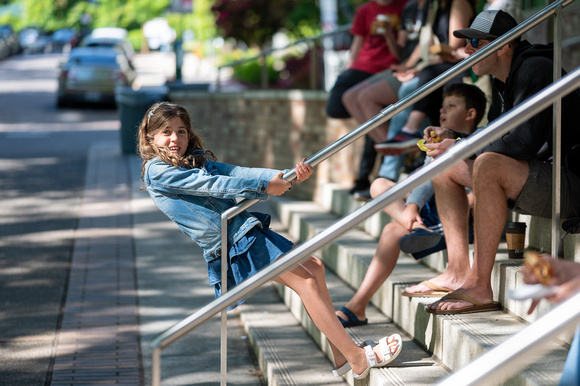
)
(455, 340)
(285, 352)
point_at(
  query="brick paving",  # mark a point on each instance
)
(98, 341)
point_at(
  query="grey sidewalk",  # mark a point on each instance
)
(172, 284)
(133, 275)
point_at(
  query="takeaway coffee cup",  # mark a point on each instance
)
(515, 233)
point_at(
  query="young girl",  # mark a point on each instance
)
(193, 190)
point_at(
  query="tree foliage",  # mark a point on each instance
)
(255, 21)
(54, 14)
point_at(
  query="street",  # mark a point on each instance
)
(43, 155)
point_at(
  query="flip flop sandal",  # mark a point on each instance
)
(352, 321)
(476, 307)
(385, 345)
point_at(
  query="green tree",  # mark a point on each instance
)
(255, 21)
(55, 14)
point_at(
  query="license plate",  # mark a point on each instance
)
(93, 96)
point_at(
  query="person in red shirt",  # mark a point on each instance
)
(374, 48)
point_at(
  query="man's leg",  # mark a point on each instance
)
(453, 209)
(495, 178)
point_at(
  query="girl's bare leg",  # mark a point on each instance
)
(308, 281)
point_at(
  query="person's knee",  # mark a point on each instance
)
(380, 185)
(337, 110)
(394, 230)
(316, 266)
(349, 100)
(490, 167)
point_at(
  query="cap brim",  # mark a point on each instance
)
(470, 33)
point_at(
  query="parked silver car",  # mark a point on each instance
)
(91, 75)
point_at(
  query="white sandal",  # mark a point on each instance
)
(340, 371)
(385, 347)
(371, 362)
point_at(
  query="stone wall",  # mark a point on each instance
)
(274, 129)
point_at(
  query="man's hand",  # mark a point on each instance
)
(566, 280)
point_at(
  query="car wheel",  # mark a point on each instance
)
(60, 102)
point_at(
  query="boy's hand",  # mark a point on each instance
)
(436, 149)
(440, 133)
(438, 140)
(410, 216)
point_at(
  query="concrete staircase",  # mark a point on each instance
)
(434, 345)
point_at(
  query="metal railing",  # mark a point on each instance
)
(261, 57)
(511, 356)
(496, 129)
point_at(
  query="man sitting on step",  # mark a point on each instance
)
(513, 172)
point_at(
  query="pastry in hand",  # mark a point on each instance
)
(541, 268)
(434, 136)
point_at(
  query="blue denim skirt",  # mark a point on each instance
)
(256, 250)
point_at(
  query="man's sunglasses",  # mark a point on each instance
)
(474, 42)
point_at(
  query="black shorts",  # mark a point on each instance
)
(536, 196)
(348, 78)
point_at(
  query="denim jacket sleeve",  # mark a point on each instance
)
(214, 179)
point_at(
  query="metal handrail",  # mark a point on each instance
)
(263, 54)
(490, 134)
(513, 355)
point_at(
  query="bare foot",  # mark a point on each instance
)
(482, 295)
(444, 281)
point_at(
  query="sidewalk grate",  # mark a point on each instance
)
(98, 341)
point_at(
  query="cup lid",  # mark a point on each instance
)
(515, 225)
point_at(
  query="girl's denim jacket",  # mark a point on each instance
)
(196, 198)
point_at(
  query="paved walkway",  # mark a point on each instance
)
(134, 275)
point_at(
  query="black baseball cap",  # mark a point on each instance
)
(488, 25)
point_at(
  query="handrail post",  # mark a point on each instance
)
(557, 135)
(313, 66)
(224, 289)
(265, 78)
(218, 85)
(156, 367)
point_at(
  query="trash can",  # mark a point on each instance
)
(132, 106)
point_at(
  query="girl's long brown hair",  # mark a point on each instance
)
(158, 117)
